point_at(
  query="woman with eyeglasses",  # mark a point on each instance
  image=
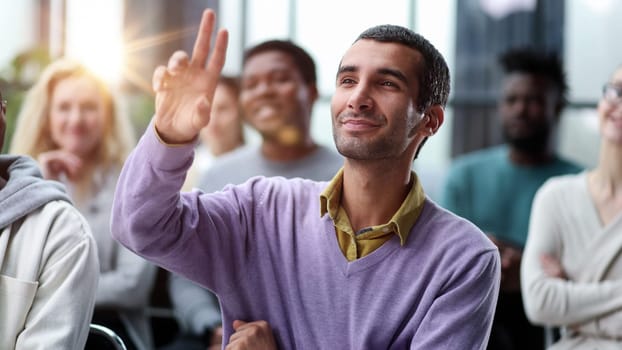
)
(69, 124)
(571, 271)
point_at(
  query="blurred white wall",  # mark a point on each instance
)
(592, 52)
(18, 32)
(94, 34)
(592, 45)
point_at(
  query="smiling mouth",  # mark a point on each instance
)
(265, 112)
(359, 125)
(362, 122)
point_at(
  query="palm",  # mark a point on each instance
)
(185, 88)
(176, 106)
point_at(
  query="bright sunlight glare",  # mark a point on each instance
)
(95, 36)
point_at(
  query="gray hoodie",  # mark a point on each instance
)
(25, 189)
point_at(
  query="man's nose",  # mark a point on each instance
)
(360, 99)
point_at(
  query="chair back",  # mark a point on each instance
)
(103, 338)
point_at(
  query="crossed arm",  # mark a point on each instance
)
(550, 296)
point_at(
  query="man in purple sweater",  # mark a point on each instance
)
(365, 261)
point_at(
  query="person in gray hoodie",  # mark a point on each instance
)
(48, 260)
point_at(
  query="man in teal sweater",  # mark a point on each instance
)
(493, 188)
(366, 261)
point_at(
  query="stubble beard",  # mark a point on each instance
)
(535, 143)
(369, 148)
(388, 145)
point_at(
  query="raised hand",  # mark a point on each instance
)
(185, 88)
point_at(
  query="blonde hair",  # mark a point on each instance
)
(32, 133)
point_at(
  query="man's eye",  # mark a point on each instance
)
(282, 78)
(510, 100)
(248, 84)
(89, 107)
(63, 107)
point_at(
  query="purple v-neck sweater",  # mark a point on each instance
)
(263, 248)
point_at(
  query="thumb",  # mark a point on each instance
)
(203, 109)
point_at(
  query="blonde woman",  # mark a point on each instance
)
(571, 271)
(68, 122)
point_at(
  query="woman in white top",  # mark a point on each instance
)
(571, 272)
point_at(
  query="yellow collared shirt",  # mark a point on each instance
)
(359, 244)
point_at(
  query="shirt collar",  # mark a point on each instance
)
(403, 219)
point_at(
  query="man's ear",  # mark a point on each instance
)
(313, 92)
(434, 116)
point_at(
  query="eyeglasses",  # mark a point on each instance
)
(612, 93)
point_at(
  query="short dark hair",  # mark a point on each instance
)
(529, 60)
(433, 74)
(302, 59)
